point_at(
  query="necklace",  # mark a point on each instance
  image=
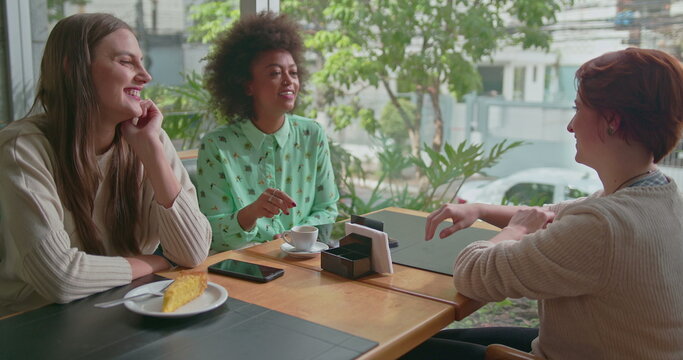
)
(632, 178)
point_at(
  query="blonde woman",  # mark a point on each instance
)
(91, 185)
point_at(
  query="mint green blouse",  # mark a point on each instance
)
(237, 162)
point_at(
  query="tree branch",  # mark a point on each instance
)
(394, 101)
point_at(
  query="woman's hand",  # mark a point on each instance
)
(268, 204)
(463, 216)
(142, 265)
(531, 220)
(143, 136)
(524, 221)
(142, 133)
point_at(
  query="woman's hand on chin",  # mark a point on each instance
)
(142, 133)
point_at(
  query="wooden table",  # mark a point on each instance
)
(397, 311)
(396, 320)
(425, 284)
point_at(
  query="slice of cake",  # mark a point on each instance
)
(185, 288)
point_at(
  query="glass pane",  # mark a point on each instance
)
(534, 194)
(572, 193)
(5, 88)
(520, 75)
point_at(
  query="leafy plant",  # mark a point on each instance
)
(348, 170)
(457, 165)
(187, 109)
(442, 170)
(393, 159)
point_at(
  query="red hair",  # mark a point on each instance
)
(644, 88)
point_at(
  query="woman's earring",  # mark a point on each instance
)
(610, 131)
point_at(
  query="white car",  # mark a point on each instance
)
(535, 186)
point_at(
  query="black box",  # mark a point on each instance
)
(351, 259)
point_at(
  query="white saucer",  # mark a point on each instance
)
(214, 296)
(315, 250)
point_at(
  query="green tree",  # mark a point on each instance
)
(55, 8)
(210, 18)
(390, 123)
(428, 45)
(187, 109)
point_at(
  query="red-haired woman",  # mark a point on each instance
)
(92, 185)
(606, 269)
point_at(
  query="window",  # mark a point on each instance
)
(491, 80)
(572, 193)
(5, 108)
(534, 194)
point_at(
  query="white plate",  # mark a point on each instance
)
(315, 250)
(213, 297)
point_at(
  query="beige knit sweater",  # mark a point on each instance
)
(608, 274)
(40, 256)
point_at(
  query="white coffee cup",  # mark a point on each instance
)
(302, 237)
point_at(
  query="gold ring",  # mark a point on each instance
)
(270, 198)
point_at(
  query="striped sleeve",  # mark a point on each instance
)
(184, 232)
(563, 260)
(63, 274)
(38, 249)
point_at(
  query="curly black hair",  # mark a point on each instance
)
(229, 64)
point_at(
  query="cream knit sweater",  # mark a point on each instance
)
(40, 256)
(608, 274)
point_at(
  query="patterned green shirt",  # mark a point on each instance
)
(237, 162)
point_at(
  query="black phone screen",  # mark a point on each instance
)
(246, 270)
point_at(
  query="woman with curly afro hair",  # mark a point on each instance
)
(267, 170)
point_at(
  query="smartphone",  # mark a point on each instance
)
(246, 270)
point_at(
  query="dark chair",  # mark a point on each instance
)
(502, 352)
(189, 160)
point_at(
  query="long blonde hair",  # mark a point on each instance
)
(67, 95)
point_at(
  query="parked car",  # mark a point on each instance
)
(535, 186)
